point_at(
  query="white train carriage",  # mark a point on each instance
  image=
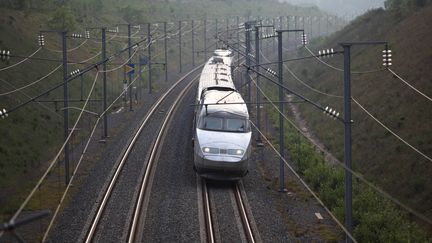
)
(225, 54)
(215, 74)
(222, 139)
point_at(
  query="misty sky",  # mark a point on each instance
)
(341, 7)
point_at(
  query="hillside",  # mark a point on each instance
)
(345, 7)
(377, 154)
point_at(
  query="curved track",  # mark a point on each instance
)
(124, 157)
(152, 160)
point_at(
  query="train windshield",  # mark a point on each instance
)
(226, 124)
(213, 123)
(235, 125)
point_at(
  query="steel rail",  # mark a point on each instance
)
(145, 184)
(124, 157)
(243, 215)
(207, 212)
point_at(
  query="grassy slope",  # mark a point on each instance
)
(31, 135)
(376, 152)
(26, 135)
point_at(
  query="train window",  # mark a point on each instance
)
(213, 123)
(217, 60)
(235, 125)
(227, 124)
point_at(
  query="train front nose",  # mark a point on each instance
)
(222, 164)
(222, 155)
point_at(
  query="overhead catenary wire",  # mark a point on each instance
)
(287, 119)
(122, 65)
(81, 159)
(376, 119)
(409, 85)
(190, 30)
(53, 161)
(18, 63)
(22, 92)
(90, 58)
(32, 83)
(341, 70)
(133, 36)
(302, 82)
(392, 132)
(82, 72)
(178, 31)
(307, 100)
(108, 40)
(68, 50)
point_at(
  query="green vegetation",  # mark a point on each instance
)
(376, 219)
(376, 153)
(62, 19)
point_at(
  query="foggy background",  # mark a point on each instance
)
(340, 7)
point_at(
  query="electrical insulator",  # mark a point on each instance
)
(76, 36)
(326, 53)
(271, 72)
(5, 55)
(387, 60)
(330, 112)
(41, 40)
(3, 113)
(87, 34)
(304, 39)
(75, 72)
(269, 36)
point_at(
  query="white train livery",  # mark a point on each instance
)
(222, 139)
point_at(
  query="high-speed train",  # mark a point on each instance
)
(222, 139)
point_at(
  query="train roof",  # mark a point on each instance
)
(222, 52)
(215, 74)
(225, 54)
(228, 102)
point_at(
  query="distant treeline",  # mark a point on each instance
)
(50, 4)
(405, 6)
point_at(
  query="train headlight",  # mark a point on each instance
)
(235, 151)
(209, 150)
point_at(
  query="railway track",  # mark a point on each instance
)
(250, 234)
(134, 232)
(145, 182)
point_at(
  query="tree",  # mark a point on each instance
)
(62, 19)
